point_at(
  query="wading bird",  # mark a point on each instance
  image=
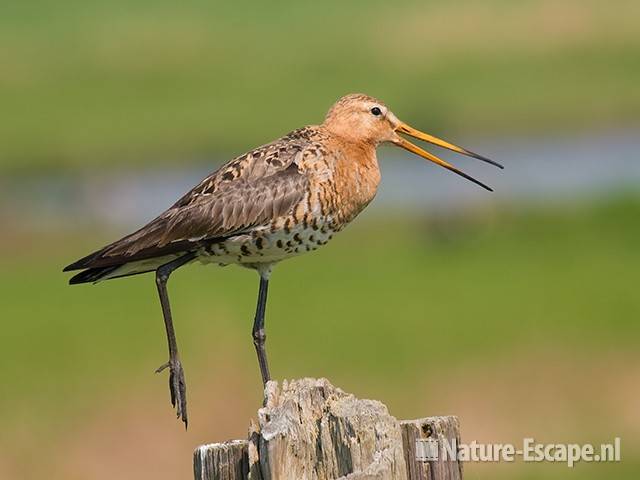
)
(278, 201)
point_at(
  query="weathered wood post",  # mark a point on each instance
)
(309, 429)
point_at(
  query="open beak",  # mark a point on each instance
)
(407, 145)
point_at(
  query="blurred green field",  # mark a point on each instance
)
(90, 83)
(381, 310)
(519, 314)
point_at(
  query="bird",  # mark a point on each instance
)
(277, 201)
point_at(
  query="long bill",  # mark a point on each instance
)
(407, 145)
(404, 128)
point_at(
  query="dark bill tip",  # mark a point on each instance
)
(484, 159)
(471, 179)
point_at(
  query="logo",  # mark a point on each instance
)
(431, 450)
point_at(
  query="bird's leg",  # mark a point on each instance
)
(259, 336)
(177, 385)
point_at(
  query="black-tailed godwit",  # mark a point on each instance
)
(280, 200)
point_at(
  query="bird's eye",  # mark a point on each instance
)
(376, 111)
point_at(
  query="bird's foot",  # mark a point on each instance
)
(177, 387)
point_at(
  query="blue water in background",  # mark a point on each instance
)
(536, 170)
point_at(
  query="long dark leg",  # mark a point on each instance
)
(259, 336)
(177, 385)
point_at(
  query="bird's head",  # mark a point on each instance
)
(363, 119)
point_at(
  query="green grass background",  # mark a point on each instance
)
(89, 83)
(534, 278)
(381, 311)
(521, 319)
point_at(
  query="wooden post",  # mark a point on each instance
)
(309, 429)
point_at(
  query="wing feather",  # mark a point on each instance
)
(249, 191)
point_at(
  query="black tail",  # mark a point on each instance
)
(98, 273)
(92, 274)
(84, 262)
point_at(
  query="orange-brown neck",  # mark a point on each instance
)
(356, 176)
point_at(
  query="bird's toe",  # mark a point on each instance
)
(177, 388)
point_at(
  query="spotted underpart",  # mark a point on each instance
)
(266, 246)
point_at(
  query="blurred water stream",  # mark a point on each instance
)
(536, 170)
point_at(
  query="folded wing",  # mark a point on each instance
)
(250, 190)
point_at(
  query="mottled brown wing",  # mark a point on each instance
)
(248, 191)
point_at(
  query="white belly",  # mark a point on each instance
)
(264, 246)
